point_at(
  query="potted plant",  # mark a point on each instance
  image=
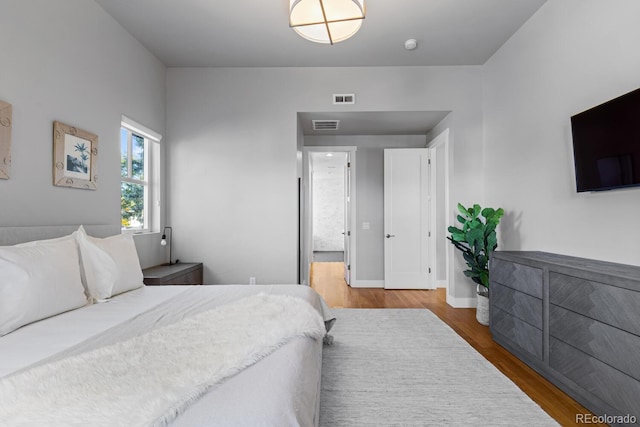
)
(477, 239)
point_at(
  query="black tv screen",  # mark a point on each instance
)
(606, 144)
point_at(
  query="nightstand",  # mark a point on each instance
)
(184, 273)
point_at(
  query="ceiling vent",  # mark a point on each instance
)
(325, 124)
(344, 98)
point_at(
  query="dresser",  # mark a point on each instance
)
(184, 273)
(576, 322)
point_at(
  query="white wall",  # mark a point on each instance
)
(570, 56)
(328, 201)
(68, 60)
(233, 142)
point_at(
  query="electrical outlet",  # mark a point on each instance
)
(252, 280)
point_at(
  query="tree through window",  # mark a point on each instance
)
(134, 185)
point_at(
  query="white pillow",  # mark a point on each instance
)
(111, 265)
(38, 280)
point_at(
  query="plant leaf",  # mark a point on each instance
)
(492, 242)
(476, 210)
(488, 212)
(474, 236)
(484, 278)
(463, 210)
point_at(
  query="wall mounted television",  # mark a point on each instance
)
(606, 144)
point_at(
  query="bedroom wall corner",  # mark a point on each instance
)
(570, 56)
(70, 61)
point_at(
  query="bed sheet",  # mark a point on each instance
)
(41, 340)
(282, 389)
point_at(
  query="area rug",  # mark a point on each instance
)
(405, 367)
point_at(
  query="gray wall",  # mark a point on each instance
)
(233, 153)
(68, 60)
(369, 193)
(570, 56)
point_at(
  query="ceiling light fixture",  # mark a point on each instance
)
(326, 21)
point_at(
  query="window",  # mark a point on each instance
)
(136, 149)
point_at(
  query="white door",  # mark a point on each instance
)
(406, 219)
(347, 220)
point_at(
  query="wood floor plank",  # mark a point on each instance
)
(327, 279)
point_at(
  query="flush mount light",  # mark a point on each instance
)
(326, 21)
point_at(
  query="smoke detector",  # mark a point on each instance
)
(411, 44)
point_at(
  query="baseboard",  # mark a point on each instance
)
(461, 302)
(441, 283)
(367, 283)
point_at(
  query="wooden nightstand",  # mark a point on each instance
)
(185, 273)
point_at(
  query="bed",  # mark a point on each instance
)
(282, 388)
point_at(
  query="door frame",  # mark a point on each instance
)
(442, 142)
(348, 224)
(307, 209)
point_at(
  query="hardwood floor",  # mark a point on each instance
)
(327, 279)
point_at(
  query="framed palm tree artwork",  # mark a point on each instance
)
(75, 157)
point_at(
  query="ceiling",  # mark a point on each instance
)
(256, 33)
(328, 165)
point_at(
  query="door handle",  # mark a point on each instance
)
(390, 235)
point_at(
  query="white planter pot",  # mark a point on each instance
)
(482, 310)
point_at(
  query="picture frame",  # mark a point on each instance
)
(75, 157)
(6, 119)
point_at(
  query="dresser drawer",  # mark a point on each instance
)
(612, 305)
(608, 384)
(519, 332)
(517, 276)
(611, 345)
(521, 305)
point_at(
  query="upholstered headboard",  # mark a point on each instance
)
(15, 235)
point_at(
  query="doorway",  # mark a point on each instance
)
(329, 200)
(328, 206)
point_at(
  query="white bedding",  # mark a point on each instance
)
(282, 389)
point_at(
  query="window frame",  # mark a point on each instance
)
(150, 179)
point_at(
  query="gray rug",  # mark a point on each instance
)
(405, 367)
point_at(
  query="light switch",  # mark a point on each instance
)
(365, 226)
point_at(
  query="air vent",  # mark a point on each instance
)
(344, 98)
(325, 124)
